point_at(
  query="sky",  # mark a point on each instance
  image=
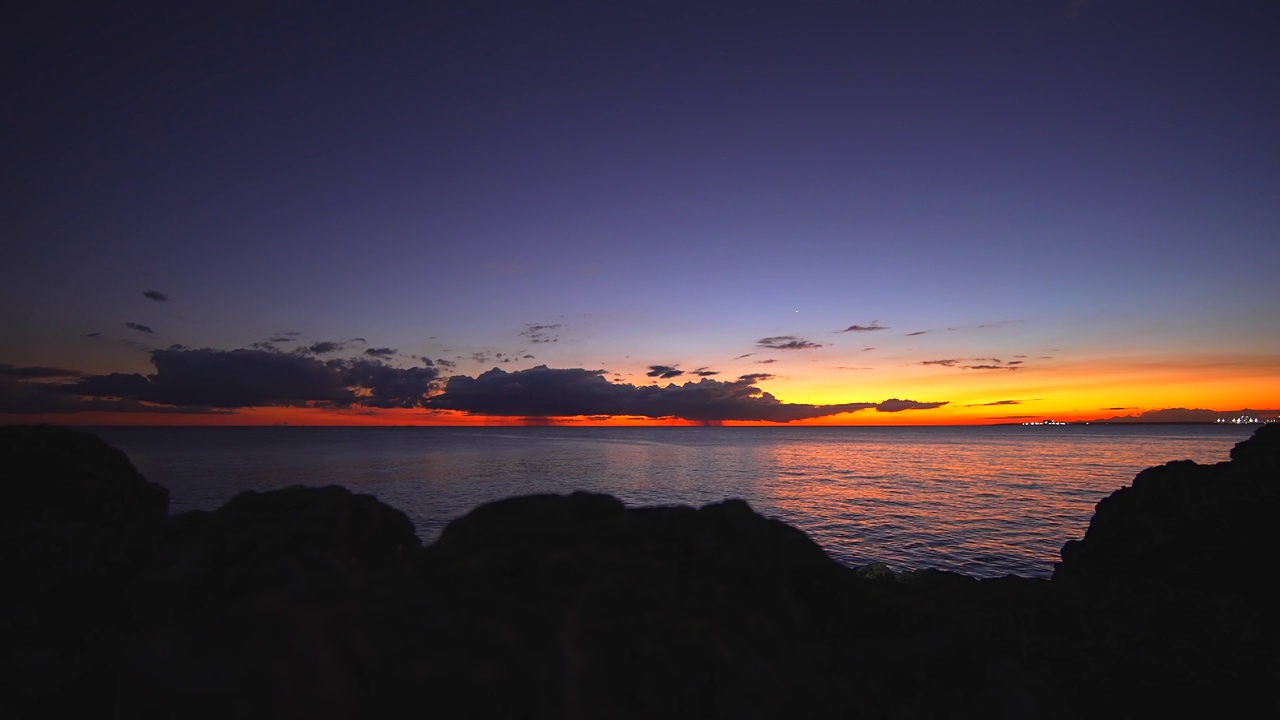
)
(661, 212)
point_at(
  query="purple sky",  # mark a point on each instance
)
(622, 186)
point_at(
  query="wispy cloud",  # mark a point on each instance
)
(787, 342)
(37, 371)
(144, 329)
(875, 325)
(155, 295)
(997, 402)
(541, 333)
(975, 363)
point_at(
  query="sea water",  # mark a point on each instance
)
(984, 501)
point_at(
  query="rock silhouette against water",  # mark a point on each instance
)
(316, 602)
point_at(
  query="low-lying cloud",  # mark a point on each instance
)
(255, 378)
(546, 392)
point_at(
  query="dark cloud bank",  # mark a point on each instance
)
(209, 380)
(203, 379)
(548, 392)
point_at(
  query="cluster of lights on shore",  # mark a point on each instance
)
(1241, 420)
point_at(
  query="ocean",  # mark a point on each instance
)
(984, 501)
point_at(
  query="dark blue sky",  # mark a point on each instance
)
(1091, 184)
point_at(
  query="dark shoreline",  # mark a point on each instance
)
(314, 602)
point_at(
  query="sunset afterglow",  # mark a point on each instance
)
(832, 214)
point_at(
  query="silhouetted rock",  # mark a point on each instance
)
(315, 602)
(267, 607)
(1186, 525)
(578, 607)
(76, 523)
(1172, 585)
(54, 474)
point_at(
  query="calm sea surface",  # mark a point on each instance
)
(985, 501)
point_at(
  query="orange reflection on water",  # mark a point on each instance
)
(962, 506)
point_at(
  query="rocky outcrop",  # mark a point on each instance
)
(77, 523)
(1186, 525)
(316, 602)
(56, 475)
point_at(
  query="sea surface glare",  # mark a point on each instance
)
(984, 501)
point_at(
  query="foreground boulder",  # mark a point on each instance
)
(274, 605)
(77, 522)
(1171, 585)
(55, 475)
(1185, 525)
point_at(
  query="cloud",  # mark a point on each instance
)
(875, 325)
(535, 333)
(325, 347)
(258, 378)
(867, 349)
(666, 372)
(768, 361)
(744, 355)
(787, 342)
(545, 392)
(19, 397)
(92, 334)
(140, 328)
(895, 405)
(380, 352)
(918, 332)
(155, 295)
(1188, 415)
(704, 372)
(997, 402)
(37, 371)
(754, 378)
(975, 363)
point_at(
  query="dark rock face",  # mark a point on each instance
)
(76, 523)
(271, 606)
(1186, 525)
(58, 475)
(584, 608)
(315, 602)
(1172, 582)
